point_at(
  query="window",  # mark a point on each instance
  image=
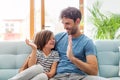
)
(14, 19)
(52, 12)
(21, 19)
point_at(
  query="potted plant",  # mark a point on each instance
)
(107, 26)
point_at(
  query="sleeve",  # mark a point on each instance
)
(90, 48)
(56, 56)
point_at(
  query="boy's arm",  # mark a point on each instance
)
(52, 70)
(33, 58)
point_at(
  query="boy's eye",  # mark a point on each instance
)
(52, 39)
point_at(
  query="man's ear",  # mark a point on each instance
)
(77, 20)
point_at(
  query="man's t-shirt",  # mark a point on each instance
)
(82, 46)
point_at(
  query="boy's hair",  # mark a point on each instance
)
(72, 13)
(42, 38)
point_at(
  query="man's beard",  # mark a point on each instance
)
(72, 31)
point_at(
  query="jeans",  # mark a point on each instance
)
(32, 73)
(74, 76)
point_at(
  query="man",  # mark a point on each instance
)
(77, 51)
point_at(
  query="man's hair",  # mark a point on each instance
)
(42, 38)
(71, 12)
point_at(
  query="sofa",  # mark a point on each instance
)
(13, 54)
(108, 56)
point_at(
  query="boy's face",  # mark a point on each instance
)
(51, 43)
(69, 25)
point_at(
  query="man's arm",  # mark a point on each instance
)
(90, 66)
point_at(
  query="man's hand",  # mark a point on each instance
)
(69, 48)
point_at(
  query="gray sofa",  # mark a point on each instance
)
(13, 54)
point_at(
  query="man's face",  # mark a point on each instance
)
(69, 25)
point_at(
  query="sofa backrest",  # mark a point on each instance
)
(12, 56)
(108, 56)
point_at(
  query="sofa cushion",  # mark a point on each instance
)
(119, 69)
(114, 78)
(5, 74)
(108, 57)
(119, 60)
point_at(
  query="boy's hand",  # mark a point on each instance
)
(31, 44)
